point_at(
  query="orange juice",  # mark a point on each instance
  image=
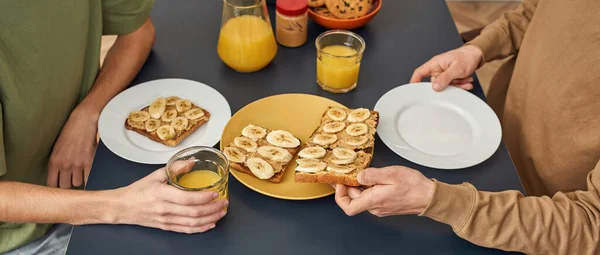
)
(246, 43)
(203, 178)
(339, 71)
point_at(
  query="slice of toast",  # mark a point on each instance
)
(180, 135)
(364, 152)
(241, 166)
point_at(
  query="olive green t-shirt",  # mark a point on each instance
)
(49, 59)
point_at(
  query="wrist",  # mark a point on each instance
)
(477, 54)
(112, 207)
(87, 111)
(428, 189)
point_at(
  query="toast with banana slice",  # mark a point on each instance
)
(262, 153)
(167, 120)
(339, 148)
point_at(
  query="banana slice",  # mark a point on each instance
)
(338, 161)
(179, 123)
(310, 165)
(357, 140)
(343, 153)
(357, 129)
(165, 132)
(169, 115)
(260, 168)
(194, 114)
(136, 124)
(157, 107)
(275, 153)
(172, 100)
(152, 124)
(324, 139)
(234, 155)
(343, 169)
(245, 143)
(254, 132)
(359, 115)
(336, 114)
(334, 127)
(138, 116)
(343, 156)
(283, 139)
(312, 152)
(183, 105)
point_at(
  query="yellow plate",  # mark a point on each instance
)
(299, 114)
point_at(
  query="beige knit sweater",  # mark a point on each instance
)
(550, 112)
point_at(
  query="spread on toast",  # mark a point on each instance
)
(262, 153)
(167, 120)
(339, 148)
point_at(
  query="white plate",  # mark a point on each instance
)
(451, 129)
(135, 147)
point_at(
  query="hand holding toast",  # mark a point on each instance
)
(454, 68)
(395, 190)
(73, 151)
(152, 203)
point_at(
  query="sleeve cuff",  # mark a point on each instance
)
(451, 204)
(491, 43)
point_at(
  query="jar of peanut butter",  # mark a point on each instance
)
(291, 22)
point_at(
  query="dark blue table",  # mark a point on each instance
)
(404, 35)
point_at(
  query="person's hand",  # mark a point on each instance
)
(395, 190)
(454, 67)
(73, 152)
(152, 203)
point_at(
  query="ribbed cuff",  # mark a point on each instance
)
(451, 204)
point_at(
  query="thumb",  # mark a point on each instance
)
(376, 176)
(157, 176)
(444, 79)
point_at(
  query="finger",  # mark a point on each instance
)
(466, 86)
(187, 229)
(443, 79)
(157, 176)
(350, 206)
(462, 81)
(195, 211)
(377, 176)
(353, 192)
(192, 221)
(427, 69)
(181, 166)
(52, 178)
(86, 174)
(177, 196)
(77, 178)
(65, 178)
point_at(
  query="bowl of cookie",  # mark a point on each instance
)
(343, 14)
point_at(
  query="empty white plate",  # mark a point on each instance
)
(451, 129)
(135, 147)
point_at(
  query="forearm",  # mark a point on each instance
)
(122, 63)
(27, 203)
(563, 224)
(503, 37)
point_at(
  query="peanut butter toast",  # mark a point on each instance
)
(167, 120)
(262, 153)
(340, 147)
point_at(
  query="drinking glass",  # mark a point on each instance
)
(339, 54)
(199, 169)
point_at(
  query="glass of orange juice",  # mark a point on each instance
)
(339, 53)
(246, 40)
(199, 169)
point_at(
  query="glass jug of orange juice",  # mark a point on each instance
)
(246, 41)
